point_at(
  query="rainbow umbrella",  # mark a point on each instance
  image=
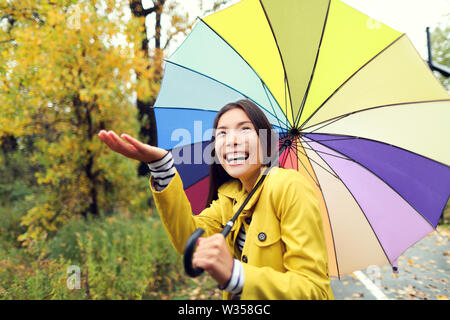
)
(367, 119)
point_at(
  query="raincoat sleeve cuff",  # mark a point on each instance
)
(236, 282)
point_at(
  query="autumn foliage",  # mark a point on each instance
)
(69, 70)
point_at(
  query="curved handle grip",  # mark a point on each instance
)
(189, 252)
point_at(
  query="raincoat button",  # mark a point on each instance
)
(262, 236)
(244, 258)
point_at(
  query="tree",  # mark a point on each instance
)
(440, 48)
(68, 70)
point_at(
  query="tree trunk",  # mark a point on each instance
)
(83, 114)
(146, 114)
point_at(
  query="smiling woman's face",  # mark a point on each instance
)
(238, 147)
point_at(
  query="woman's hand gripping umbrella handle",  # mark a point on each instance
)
(192, 241)
(190, 246)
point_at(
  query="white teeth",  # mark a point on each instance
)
(236, 157)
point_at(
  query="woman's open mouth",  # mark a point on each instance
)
(235, 158)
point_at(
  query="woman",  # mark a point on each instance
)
(276, 248)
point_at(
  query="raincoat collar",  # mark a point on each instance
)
(235, 190)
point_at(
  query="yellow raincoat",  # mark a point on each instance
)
(284, 256)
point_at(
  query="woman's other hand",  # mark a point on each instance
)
(131, 147)
(213, 256)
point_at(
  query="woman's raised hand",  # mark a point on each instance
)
(131, 147)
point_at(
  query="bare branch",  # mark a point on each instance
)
(179, 29)
(7, 40)
(216, 6)
(139, 11)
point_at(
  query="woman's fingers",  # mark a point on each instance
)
(123, 147)
(133, 141)
(146, 152)
(213, 256)
(113, 140)
(103, 135)
(131, 147)
(203, 263)
(209, 249)
(204, 259)
(118, 145)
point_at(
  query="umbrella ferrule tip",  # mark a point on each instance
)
(287, 142)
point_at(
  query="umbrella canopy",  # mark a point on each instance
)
(367, 118)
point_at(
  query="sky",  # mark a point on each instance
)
(408, 16)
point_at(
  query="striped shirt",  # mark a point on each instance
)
(241, 238)
(163, 171)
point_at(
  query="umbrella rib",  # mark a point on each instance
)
(388, 144)
(348, 79)
(264, 86)
(285, 97)
(228, 44)
(283, 161)
(319, 187)
(332, 120)
(206, 76)
(313, 161)
(294, 148)
(281, 58)
(351, 138)
(327, 213)
(285, 157)
(328, 154)
(327, 124)
(387, 184)
(379, 242)
(290, 156)
(181, 108)
(297, 119)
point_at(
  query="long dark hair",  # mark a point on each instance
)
(217, 174)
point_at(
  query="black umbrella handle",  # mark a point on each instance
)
(190, 247)
(189, 252)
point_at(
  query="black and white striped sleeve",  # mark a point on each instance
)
(236, 282)
(162, 171)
